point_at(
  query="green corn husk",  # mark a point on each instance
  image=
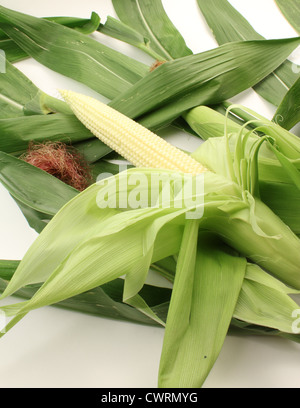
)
(145, 236)
(100, 302)
(104, 301)
(275, 175)
(218, 290)
(203, 302)
(228, 25)
(142, 24)
(80, 259)
(90, 302)
(265, 301)
(7, 269)
(264, 306)
(267, 294)
(209, 123)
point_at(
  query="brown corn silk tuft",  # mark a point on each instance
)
(156, 64)
(61, 161)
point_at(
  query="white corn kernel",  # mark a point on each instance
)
(132, 141)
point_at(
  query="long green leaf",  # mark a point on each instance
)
(72, 53)
(265, 301)
(206, 78)
(25, 118)
(148, 17)
(291, 10)
(71, 258)
(20, 97)
(117, 29)
(14, 53)
(17, 133)
(38, 194)
(16, 93)
(104, 301)
(203, 301)
(228, 25)
(288, 112)
(32, 186)
(86, 226)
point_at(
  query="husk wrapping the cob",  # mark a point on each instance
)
(235, 243)
(112, 238)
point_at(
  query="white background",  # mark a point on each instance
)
(56, 348)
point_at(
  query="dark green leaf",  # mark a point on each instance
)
(86, 26)
(13, 53)
(228, 25)
(33, 187)
(92, 149)
(17, 133)
(7, 269)
(36, 220)
(117, 29)
(149, 18)
(288, 112)
(16, 91)
(206, 78)
(72, 53)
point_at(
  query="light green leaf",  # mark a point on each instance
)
(277, 173)
(264, 301)
(207, 285)
(74, 257)
(90, 223)
(207, 122)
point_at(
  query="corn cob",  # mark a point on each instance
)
(132, 141)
